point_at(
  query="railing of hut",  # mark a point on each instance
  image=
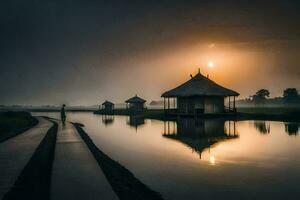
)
(171, 111)
(229, 109)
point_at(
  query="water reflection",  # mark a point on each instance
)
(212, 160)
(262, 126)
(270, 165)
(135, 121)
(199, 134)
(108, 119)
(292, 128)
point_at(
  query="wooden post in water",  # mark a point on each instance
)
(234, 128)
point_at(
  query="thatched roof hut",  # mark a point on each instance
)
(107, 106)
(199, 95)
(135, 104)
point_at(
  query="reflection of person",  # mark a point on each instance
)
(63, 113)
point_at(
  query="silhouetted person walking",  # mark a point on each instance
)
(63, 113)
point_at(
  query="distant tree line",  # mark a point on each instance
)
(290, 96)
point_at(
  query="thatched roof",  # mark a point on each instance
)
(199, 85)
(107, 103)
(135, 99)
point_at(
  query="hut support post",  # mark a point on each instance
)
(229, 103)
(173, 123)
(168, 103)
(234, 109)
(174, 103)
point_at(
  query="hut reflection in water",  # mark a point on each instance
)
(108, 119)
(292, 128)
(135, 121)
(199, 134)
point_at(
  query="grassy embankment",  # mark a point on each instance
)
(13, 123)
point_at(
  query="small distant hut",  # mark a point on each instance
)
(199, 95)
(135, 104)
(107, 107)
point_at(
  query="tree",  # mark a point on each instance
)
(290, 95)
(261, 96)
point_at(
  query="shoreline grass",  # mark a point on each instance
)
(14, 123)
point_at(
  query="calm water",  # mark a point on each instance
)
(203, 159)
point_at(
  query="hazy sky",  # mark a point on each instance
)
(82, 52)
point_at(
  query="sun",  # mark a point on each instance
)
(211, 64)
(211, 45)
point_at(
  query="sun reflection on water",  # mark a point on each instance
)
(212, 160)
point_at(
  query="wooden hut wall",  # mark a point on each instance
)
(190, 105)
(182, 105)
(199, 102)
(187, 105)
(108, 107)
(136, 106)
(214, 105)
